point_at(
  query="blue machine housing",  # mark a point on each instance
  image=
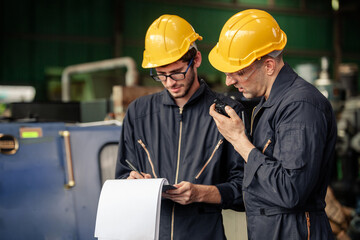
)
(34, 202)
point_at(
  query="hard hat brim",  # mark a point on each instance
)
(217, 61)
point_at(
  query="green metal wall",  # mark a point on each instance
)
(208, 20)
(41, 34)
(37, 35)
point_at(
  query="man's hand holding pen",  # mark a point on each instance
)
(136, 175)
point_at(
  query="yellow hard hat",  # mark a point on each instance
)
(167, 40)
(245, 37)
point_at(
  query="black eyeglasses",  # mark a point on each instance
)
(174, 76)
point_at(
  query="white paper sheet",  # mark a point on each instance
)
(129, 209)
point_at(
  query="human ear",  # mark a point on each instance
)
(197, 59)
(270, 66)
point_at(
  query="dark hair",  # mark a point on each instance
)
(189, 55)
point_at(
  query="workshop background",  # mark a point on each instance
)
(48, 48)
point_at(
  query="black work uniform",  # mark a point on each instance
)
(287, 174)
(183, 144)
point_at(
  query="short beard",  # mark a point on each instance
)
(192, 79)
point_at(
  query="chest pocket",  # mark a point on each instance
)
(292, 146)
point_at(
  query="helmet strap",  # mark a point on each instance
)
(275, 53)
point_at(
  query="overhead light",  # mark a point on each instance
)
(335, 5)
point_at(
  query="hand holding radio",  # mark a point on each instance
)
(220, 107)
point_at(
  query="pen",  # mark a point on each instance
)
(133, 168)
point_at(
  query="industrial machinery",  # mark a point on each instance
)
(55, 156)
(346, 181)
(50, 178)
(348, 144)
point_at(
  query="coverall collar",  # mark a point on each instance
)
(284, 79)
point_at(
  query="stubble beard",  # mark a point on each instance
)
(187, 86)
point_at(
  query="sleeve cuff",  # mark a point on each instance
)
(226, 193)
(255, 159)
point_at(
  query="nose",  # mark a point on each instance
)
(230, 81)
(169, 82)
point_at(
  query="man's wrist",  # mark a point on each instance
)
(207, 194)
(244, 146)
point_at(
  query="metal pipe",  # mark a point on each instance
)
(100, 123)
(131, 77)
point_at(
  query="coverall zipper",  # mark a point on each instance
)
(266, 145)
(149, 158)
(211, 157)
(177, 173)
(251, 133)
(252, 121)
(178, 156)
(307, 215)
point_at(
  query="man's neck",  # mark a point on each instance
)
(273, 78)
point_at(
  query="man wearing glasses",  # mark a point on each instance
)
(171, 135)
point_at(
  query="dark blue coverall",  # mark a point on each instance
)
(183, 144)
(287, 174)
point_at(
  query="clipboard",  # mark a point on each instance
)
(168, 187)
